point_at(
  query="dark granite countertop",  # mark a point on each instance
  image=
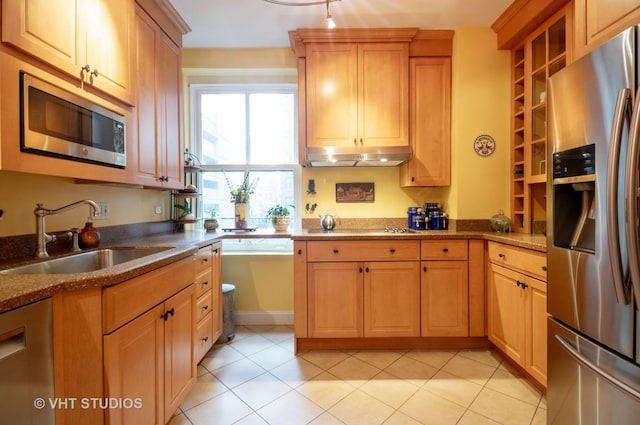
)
(18, 290)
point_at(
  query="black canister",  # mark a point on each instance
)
(431, 208)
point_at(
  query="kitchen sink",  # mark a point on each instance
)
(86, 261)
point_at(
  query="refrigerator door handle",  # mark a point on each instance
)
(631, 198)
(622, 111)
(584, 361)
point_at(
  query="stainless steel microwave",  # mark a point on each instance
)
(58, 123)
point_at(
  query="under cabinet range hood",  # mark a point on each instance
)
(342, 156)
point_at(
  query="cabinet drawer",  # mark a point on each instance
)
(203, 259)
(203, 282)
(125, 301)
(203, 337)
(525, 260)
(444, 250)
(377, 250)
(204, 305)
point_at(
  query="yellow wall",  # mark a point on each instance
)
(263, 282)
(480, 105)
(20, 192)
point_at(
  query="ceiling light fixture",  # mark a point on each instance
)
(330, 23)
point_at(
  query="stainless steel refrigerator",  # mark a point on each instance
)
(593, 270)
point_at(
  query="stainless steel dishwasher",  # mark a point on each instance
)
(26, 365)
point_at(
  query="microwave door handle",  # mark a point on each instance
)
(620, 116)
(589, 364)
(631, 198)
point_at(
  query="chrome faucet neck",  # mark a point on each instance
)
(43, 238)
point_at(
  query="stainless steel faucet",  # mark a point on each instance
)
(41, 233)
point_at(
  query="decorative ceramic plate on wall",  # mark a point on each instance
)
(484, 145)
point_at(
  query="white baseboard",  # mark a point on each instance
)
(263, 317)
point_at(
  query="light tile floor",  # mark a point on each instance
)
(256, 379)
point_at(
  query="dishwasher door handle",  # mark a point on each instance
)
(12, 342)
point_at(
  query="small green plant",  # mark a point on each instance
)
(278, 210)
(185, 208)
(212, 213)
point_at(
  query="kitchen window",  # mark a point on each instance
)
(241, 129)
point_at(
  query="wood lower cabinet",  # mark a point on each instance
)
(149, 352)
(392, 299)
(77, 37)
(364, 299)
(335, 300)
(208, 308)
(517, 307)
(444, 288)
(368, 293)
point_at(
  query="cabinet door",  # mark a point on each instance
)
(392, 299)
(430, 131)
(383, 94)
(335, 292)
(506, 303)
(179, 365)
(158, 158)
(445, 298)
(108, 53)
(145, 159)
(133, 368)
(536, 327)
(52, 31)
(168, 71)
(596, 21)
(332, 94)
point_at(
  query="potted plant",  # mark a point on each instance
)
(211, 222)
(184, 210)
(279, 216)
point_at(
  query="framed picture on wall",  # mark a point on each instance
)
(355, 192)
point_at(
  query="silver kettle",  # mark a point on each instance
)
(327, 222)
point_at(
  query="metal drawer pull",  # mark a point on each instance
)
(205, 339)
(299, 252)
(424, 268)
(205, 283)
(335, 251)
(445, 250)
(584, 361)
(205, 307)
(501, 255)
(392, 250)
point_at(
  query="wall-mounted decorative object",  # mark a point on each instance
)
(355, 192)
(484, 145)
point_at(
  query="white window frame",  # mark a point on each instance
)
(196, 91)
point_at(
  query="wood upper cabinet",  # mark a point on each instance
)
(430, 123)
(87, 39)
(157, 157)
(357, 93)
(596, 21)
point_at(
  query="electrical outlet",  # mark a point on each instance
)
(103, 213)
(158, 209)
